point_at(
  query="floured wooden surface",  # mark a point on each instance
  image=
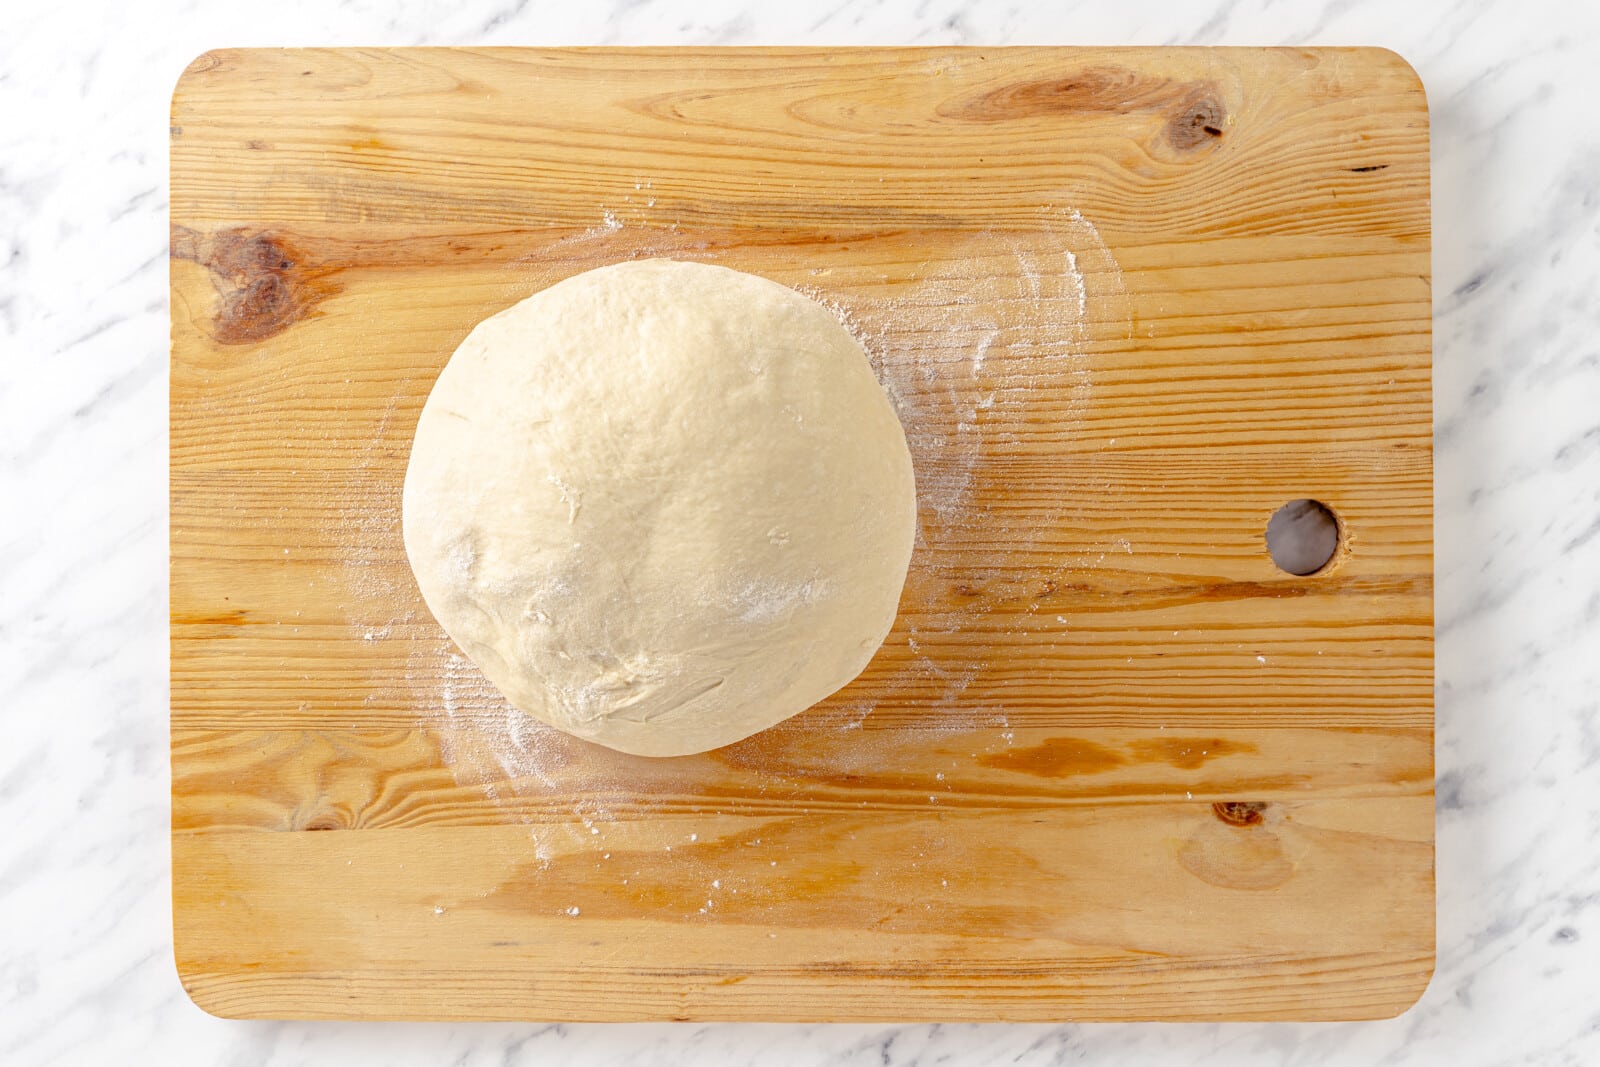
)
(1111, 762)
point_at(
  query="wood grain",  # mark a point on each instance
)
(1110, 764)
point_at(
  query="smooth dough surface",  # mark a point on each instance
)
(661, 505)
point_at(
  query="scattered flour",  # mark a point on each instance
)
(963, 379)
(569, 496)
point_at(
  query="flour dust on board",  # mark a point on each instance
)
(969, 346)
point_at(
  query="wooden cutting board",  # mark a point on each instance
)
(1112, 763)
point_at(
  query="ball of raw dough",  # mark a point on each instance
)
(662, 505)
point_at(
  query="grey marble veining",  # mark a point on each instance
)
(86, 974)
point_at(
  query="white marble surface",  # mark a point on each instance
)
(86, 972)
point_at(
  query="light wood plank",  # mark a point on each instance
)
(1111, 763)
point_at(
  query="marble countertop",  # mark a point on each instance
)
(86, 970)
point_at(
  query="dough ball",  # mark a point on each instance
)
(661, 505)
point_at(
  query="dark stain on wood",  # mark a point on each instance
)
(1239, 812)
(797, 873)
(1105, 590)
(1195, 114)
(1105, 90)
(1057, 757)
(1188, 753)
(235, 617)
(1197, 123)
(264, 283)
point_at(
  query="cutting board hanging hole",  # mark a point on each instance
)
(1302, 536)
